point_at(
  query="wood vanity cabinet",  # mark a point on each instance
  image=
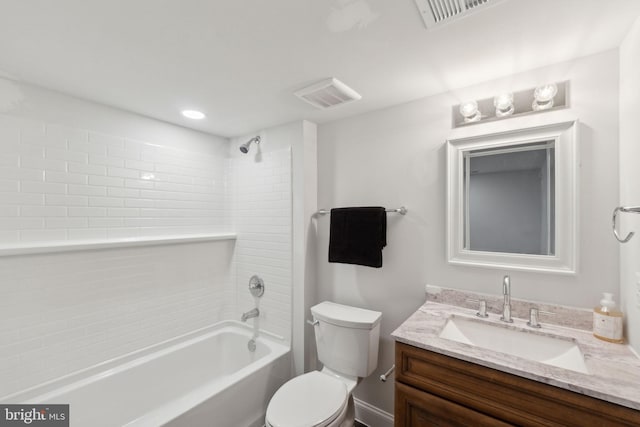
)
(436, 390)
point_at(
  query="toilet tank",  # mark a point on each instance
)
(347, 338)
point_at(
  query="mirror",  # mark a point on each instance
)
(512, 199)
(508, 198)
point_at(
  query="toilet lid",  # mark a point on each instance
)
(312, 399)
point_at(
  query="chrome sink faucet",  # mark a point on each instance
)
(250, 314)
(506, 306)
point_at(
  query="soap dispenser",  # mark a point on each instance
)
(607, 320)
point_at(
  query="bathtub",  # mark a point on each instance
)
(206, 378)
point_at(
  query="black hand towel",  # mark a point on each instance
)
(357, 235)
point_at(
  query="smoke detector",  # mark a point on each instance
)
(438, 12)
(327, 93)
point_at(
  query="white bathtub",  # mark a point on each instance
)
(208, 378)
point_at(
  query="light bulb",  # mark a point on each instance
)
(545, 93)
(503, 104)
(543, 96)
(469, 111)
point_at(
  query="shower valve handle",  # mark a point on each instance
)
(256, 286)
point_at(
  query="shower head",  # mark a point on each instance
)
(245, 147)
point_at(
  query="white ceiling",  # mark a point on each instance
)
(240, 60)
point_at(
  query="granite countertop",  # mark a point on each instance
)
(614, 369)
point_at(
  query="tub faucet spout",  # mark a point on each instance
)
(250, 314)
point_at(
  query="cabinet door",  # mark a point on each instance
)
(513, 399)
(416, 408)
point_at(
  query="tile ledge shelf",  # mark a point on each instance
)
(81, 245)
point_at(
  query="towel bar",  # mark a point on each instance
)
(631, 209)
(401, 210)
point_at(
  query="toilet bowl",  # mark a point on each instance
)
(314, 399)
(347, 342)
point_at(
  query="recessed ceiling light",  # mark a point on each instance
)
(193, 114)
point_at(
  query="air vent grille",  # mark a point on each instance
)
(437, 12)
(327, 94)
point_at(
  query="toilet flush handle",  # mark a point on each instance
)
(384, 377)
(313, 322)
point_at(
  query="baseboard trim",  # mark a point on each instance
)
(372, 416)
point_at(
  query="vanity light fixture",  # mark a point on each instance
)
(543, 97)
(469, 111)
(503, 104)
(193, 114)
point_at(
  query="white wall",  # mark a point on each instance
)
(288, 293)
(260, 188)
(113, 175)
(396, 156)
(305, 269)
(629, 178)
(68, 311)
(72, 170)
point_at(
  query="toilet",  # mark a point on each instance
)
(347, 342)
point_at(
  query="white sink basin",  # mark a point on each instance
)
(554, 351)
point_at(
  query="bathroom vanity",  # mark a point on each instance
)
(444, 382)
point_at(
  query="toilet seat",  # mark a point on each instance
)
(310, 400)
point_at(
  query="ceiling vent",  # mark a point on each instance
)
(438, 12)
(327, 94)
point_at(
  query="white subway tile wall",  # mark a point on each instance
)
(62, 312)
(101, 186)
(67, 311)
(262, 206)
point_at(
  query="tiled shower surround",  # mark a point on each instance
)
(64, 312)
(261, 206)
(61, 312)
(60, 183)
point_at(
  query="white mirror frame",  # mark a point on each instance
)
(565, 259)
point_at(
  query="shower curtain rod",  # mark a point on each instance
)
(401, 210)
